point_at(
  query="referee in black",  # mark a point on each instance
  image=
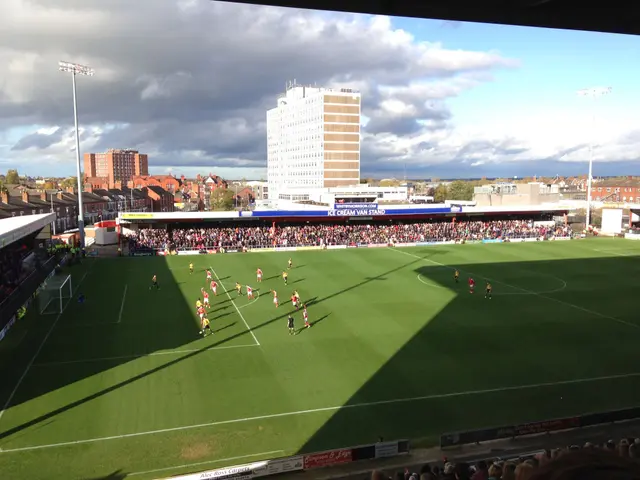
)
(290, 325)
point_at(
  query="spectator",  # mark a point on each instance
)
(317, 235)
(482, 472)
(524, 471)
(589, 465)
(509, 470)
(495, 471)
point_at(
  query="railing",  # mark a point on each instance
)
(27, 287)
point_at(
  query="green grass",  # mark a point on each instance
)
(398, 350)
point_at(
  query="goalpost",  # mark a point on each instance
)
(54, 294)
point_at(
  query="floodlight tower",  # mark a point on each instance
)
(77, 69)
(595, 92)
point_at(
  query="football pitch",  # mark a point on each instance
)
(124, 383)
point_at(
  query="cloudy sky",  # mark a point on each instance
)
(189, 82)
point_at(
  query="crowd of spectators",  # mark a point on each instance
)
(574, 462)
(316, 235)
(11, 269)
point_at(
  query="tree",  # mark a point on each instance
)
(431, 192)
(12, 177)
(49, 185)
(460, 190)
(440, 193)
(222, 199)
(69, 182)
(392, 182)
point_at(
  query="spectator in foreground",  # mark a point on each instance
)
(589, 465)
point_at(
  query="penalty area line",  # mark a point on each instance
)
(124, 296)
(236, 307)
(252, 301)
(392, 401)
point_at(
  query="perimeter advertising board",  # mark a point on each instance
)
(250, 470)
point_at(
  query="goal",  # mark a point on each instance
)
(54, 294)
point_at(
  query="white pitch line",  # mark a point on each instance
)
(252, 301)
(230, 459)
(124, 296)
(436, 396)
(123, 357)
(44, 340)
(530, 292)
(235, 306)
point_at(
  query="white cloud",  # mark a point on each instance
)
(189, 83)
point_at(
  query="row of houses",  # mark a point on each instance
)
(189, 194)
(98, 204)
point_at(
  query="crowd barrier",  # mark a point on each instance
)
(632, 236)
(212, 250)
(299, 463)
(547, 426)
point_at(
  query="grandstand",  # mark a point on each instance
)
(122, 385)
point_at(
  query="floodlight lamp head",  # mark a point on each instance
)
(75, 68)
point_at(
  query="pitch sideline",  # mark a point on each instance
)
(328, 409)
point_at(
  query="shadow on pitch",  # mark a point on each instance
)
(93, 368)
(117, 475)
(464, 343)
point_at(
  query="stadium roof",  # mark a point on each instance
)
(615, 16)
(428, 209)
(15, 228)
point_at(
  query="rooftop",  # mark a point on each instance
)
(15, 228)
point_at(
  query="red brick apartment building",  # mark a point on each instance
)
(115, 165)
(616, 190)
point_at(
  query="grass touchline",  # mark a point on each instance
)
(329, 409)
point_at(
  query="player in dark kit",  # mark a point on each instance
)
(487, 291)
(456, 276)
(290, 325)
(154, 283)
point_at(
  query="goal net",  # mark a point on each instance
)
(55, 294)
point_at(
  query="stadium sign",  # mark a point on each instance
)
(252, 470)
(352, 206)
(355, 212)
(135, 216)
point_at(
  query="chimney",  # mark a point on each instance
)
(71, 190)
(59, 195)
(88, 187)
(25, 196)
(43, 196)
(4, 196)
